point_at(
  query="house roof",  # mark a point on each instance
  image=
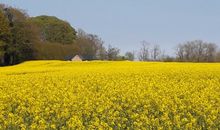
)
(76, 58)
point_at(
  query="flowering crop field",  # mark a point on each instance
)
(110, 95)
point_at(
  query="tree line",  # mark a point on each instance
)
(190, 51)
(44, 37)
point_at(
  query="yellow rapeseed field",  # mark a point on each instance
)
(110, 95)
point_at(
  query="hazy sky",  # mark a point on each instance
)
(125, 23)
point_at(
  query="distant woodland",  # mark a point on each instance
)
(44, 37)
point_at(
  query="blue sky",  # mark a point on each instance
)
(125, 23)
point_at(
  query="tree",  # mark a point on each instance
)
(87, 45)
(54, 51)
(144, 52)
(113, 53)
(211, 52)
(54, 30)
(5, 36)
(90, 46)
(180, 52)
(43, 37)
(129, 56)
(20, 48)
(218, 56)
(196, 51)
(101, 52)
(155, 52)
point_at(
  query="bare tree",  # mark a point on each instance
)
(155, 52)
(189, 51)
(112, 53)
(200, 50)
(196, 51)
(144, 52)
(129, 56)
(211, 50)
(218, 56)
(101, 52)
(90, 46)
(162, 55)
(180, 52)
